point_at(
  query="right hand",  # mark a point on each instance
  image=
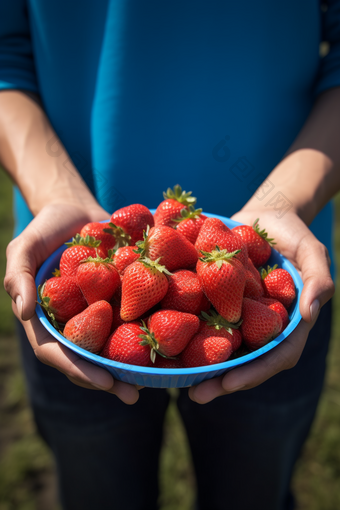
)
(54, 225)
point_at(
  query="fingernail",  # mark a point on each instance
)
(19, 303)
(314, 309)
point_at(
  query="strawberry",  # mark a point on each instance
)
(99, 231)
(144, 284)
(214, 232)
(207, 348)
(185, 293)
(190, 222)
(256, 273)
(223, 278)
(213, 324)
(257, 242)
(260, 324)
(91, 328)
(174, 202)
(253, 288)
(278, 307)
(169, 332)
(124, 256)
(79, 248)
(127, 224)
(62, 299)
(168, 245)
(279, 285)
(98, 279)
(125, 345)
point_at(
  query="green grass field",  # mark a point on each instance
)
(26, 468)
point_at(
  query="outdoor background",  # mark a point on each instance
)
(26, 469)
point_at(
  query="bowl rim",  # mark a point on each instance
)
(295, 318)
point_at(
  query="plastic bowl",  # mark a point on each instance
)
(176, 377)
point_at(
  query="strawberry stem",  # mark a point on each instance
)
(262, 233)
(183, 197)
(78, 240)
(219, 256)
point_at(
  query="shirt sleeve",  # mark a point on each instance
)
(329, 73)
(17, 69)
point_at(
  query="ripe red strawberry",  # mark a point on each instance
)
(250, 266)
(79, 248)
(279, 285)
(171, 247)
(260, 324)
(129, 223)
(174, 202)
(190, 222)
(101, 232)
(91, 328)
(207, 348)
(213, 324)
(223, 278)
(62, 299)
(98, 279)
(185, 293)
(125, 346)
(215, 233)
(169, 332)
(124, 257)
(278, 307)
(257, 241)
(253, 289)
(144, 284)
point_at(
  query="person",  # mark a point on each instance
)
(108, 103)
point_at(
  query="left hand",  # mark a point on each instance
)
(296, 242)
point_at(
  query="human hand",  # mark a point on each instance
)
(53, 226)
(297, 243)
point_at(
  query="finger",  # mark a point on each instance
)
(282, 357)
(82, 373)
(207, 391)
(313, 259)
(50, 229)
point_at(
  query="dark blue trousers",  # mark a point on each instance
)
(244, 445)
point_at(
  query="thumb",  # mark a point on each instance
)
(313, 260)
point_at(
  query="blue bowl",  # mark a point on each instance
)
(174, 377)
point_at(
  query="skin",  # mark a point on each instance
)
(308, 176)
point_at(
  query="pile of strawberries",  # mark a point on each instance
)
(172, 290)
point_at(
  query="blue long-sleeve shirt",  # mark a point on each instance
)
(148, 94)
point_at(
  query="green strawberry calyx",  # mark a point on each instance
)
(98, 260)
(56, 273)
(154, 264)
(143, 246)
(218, 322)
(78, 240)
(122, 237)
(262, 233)
(149, 339)
(183, 197)
(219, 256)
(266, 272)
(44, 303)
(189, 214)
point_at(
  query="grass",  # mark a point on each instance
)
(26, 468)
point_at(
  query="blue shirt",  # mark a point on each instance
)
(148, 94)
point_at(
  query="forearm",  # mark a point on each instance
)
(42, 178)
(309, 174)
